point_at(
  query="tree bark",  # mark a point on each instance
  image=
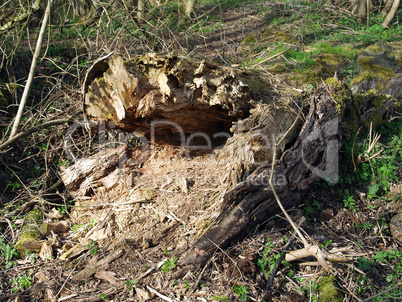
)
(189, 7)
(387, 7)
(391, 14)
(21, 17)
(251, 202)
(361, 11)
(32, 70)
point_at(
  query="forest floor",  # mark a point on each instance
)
(176, 197)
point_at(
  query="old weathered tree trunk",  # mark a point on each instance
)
(188, 99)
(251, 202)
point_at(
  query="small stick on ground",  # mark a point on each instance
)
(279, 261)
(200, 276)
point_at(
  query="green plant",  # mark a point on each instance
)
(7, 252)
(43, 147)
(102, 296)
(21, 283)
(362, 283)
(241, 291)
(365, 225)
(92, 222)
(77, 227)
(311, 208)
(221, 298)
(392, 259)
(328, 242)
(349, 201)
(63, 209)
(364, 264)
(381, 171)
(15, 185)
(268, 260)
(93, 249)
(187, 285)
(130, 283)
(169, 264)
(309, 288)
(373, 191)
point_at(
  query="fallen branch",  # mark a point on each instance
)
(163, 297)
(91, 269)
(32, 130)
(268, 59)
(278, 262)
(21, 17)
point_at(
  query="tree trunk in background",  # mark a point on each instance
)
(387, 7)
(361, 11)
(391, 14)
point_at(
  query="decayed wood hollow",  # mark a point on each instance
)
(162, 96)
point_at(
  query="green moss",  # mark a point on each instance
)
(328, 292)
(397, 47)
(333, 82)
(370, 71)
(27, 236)
(6, 98)
(255, 82)
(331, 59)
(278, 67)
(34, 216)
(30, 231)
(341, 94)
(375, 48)
(358, 112)
(307, 76)
(249, 39)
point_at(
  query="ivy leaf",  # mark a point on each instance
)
(373, 190)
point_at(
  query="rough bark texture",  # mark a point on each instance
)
(199, 96)
(391, 14)
(251, 202)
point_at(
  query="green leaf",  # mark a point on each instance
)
(373, 190)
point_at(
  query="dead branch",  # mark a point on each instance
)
(32, 70)
(32, 130)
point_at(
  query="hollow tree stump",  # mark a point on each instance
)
(167, 100)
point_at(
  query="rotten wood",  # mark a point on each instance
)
(91, 269)
(196, 96)
(202, 97)
(251, 202)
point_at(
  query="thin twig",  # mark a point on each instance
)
(35, 58)
(2, 219)
(32, 130)
(383, 292)
(114, 204)
(200, 276)
(268, 59)
(234, 262)
(353, 147)
(163, 297)
(279, 261)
